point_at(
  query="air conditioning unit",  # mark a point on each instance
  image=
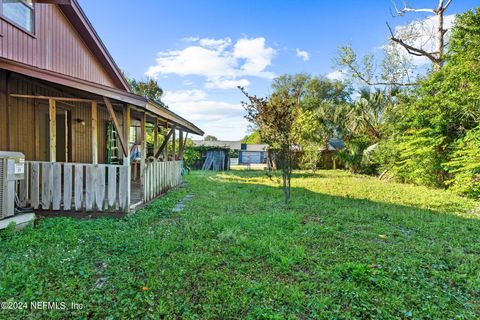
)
(12, 169)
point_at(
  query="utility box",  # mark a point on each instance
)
(12, 169)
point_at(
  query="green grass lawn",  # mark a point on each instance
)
(346, 247)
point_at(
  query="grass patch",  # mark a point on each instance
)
(346, 247)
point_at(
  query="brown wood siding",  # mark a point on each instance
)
(24, 132)
(3, 111)
(57, 47)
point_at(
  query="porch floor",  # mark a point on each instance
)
(136, 197)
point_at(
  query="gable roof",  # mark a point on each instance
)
(77, 17)
(257, 147)
(234, 145)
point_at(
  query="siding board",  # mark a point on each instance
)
(57, 47)
(26, 116)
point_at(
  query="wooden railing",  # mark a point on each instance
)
(161, 176)
(75, 187)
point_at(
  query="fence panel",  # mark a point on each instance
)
(160, 177)
(79, 187)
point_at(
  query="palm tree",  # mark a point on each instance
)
(366, 117)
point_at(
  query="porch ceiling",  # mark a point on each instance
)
(76, 88)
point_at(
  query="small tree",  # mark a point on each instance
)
(275, 117)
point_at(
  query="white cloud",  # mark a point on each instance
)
(336, 75)
(256, 55)
(216, 44)
(303, 54)
(226, 84)
(180, 96)
(222, 65)
(224, 120)
(421, 34)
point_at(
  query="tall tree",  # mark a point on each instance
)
(428, 124)
(149, 89)
(323, 108)
(397, 68)
(366, 117)
(437, 57)
(253, 138)
(210, 138)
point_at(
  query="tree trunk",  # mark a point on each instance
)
(440, 40)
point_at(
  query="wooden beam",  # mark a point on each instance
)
(180, 141)
(94, 133)
(9, 134)
(53, 129)
(126, 113)
(174, 142)
(143, 144)
(155, 136)
(68, 2)
(67, 134)
(117, 126)
(65, 99)
(165, 138)
(184, 144)
(164, 144)
(126, 158)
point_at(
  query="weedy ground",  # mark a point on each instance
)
(346, 247)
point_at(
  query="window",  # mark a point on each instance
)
(20, 12)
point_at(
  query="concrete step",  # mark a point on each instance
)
(21, 221)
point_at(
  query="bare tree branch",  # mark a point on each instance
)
(445, 7)
(436, 57)
(412, 50)
(359, 75)
(407, 9)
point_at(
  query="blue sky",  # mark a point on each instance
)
(200, 50)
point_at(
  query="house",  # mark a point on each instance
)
(252, 153)
(247, 153)
(66, 106)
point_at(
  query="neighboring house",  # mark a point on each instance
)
(247, 153)
(66, 106)
(252, 153)
(335, 144)
(232, 145)
(329, 158)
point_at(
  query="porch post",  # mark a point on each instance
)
(173, 143)
(8, 102)
(155, 136)
(94, 133)
(53, 129)
(126, 130)
(184, 143)
(126, 157)
(180, 143)
(143, 141)
(165, 141)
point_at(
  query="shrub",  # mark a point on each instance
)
(465, 165)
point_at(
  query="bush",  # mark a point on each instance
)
(465, 165)
(352, 155)
(191, 156)
(420, 158)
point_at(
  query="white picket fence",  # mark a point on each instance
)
(161, 176)
(75, 187)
